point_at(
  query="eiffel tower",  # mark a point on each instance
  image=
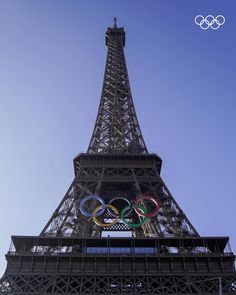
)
(118, 229)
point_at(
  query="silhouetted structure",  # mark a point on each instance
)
(118, 189)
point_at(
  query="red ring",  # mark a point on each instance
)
(156, 202)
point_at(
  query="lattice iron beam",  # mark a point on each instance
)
(106, 285)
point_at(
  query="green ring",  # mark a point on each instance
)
(133, 224)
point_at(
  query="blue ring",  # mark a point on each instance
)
(85, 213)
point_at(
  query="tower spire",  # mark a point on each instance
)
(116, 128)
(115, 20)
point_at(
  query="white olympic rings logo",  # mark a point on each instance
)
(209, 21)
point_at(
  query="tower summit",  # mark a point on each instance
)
(118, 230)
(115, 20)
(116, 129)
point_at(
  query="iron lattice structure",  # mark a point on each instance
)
(163, 255)
(117, 128)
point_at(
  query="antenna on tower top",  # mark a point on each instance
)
(115, 20)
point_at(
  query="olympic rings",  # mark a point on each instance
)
(85, 213)
(122, 214)
(114, 216)
(105, 224)
(137, 209)
(209, 21)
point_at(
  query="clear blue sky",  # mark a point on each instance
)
(52, 58)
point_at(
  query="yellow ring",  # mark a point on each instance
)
(105, 224)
